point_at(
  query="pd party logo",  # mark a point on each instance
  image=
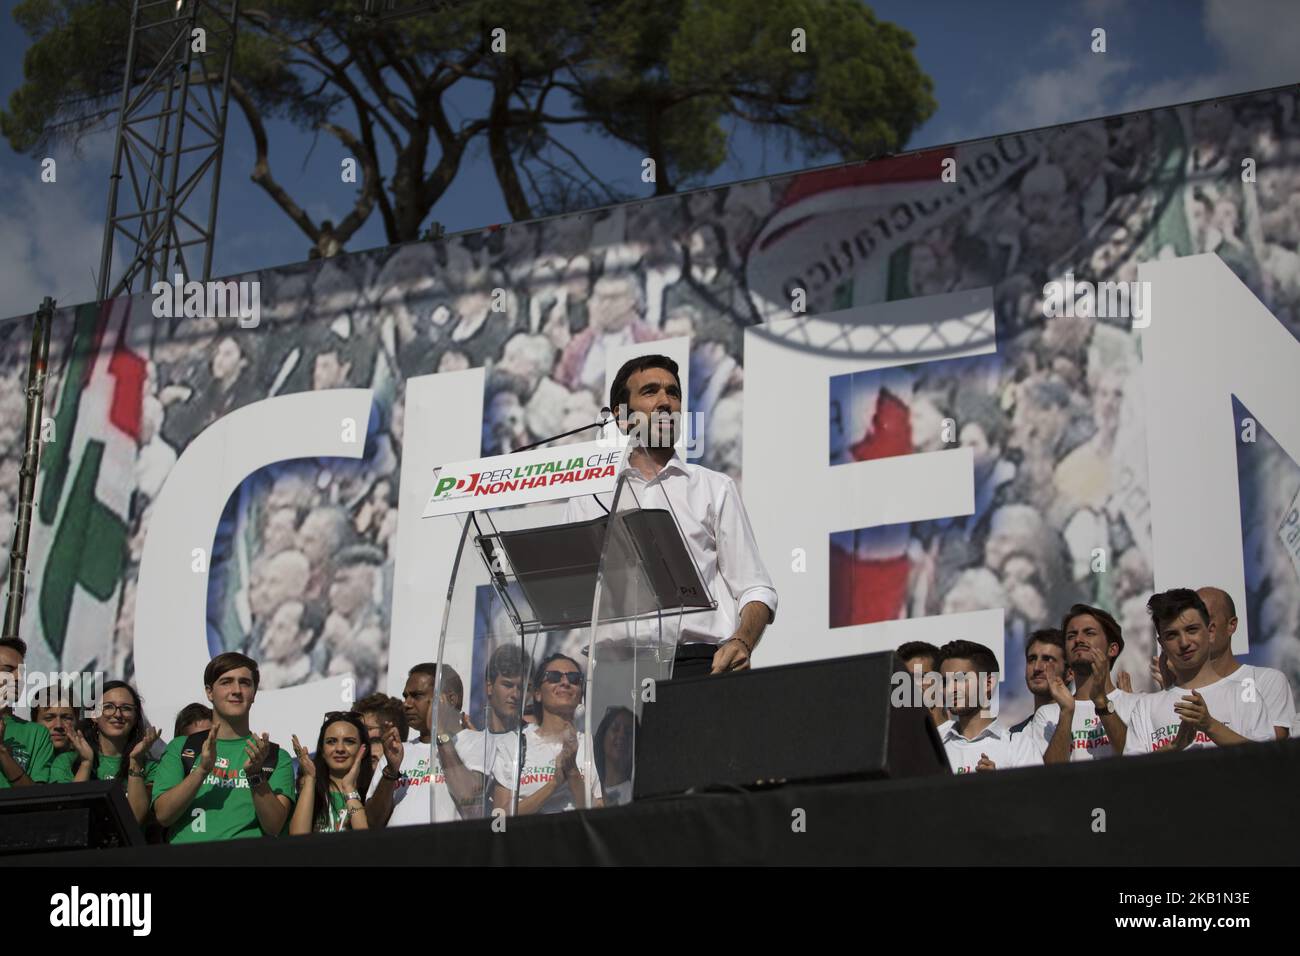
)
(523, 477)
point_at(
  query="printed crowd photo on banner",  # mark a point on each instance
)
(947, 403)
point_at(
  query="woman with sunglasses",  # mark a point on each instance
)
(553, 752)
(331, 783)
(120, 738)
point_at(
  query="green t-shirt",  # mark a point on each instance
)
(223, 796)
(338, 815)
(64, 768)
(30, 746)
(108, 766)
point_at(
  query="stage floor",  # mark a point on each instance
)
(1229, 807)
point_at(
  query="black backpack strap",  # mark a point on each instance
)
(194, 745)
(271, 759)
(190, 752)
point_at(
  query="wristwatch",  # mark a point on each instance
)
(353, 795)
(388, 773)
(443, 739)
(1109, 709)
(256, 779)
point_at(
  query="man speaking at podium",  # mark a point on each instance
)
(647, 395)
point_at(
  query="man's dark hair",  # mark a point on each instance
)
(913, 649)
(229, 661)
(429, 670)
(1047, 635)
(1169, 605)
(506, 661)
(619, 394)
(984, 659)
(189, 714)
(387, 709)
(17, 643)
(1109, 626)
(451, 682)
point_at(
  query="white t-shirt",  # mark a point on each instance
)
(423, 783)
(539, 768)
(1004, 748)
(1091, 741)
(1154, 723)
(1271, 687)
(478, 748)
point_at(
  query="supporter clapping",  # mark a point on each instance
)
(331, 782)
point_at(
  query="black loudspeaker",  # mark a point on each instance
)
(66, 816)
(821, 720)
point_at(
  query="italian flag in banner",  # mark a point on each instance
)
(87, 476)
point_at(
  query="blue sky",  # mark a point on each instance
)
(997, 66)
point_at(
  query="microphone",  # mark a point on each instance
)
(606, 417)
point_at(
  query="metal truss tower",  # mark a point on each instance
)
(171, 131)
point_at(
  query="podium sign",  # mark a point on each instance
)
(527, 477)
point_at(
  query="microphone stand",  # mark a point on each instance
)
(574, 431)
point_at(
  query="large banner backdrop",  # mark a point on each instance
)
(924, 453)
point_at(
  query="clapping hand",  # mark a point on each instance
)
(1157, 673)
(566, 762)
(393, 749)
(256, 751)
(354, 769)
(1193, 710)
(306, 766)
(1061, 694)
(208, 755)
(79, 743)
(140, 752)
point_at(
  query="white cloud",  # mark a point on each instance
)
(51, 233)
(1081, 88)
(1254, 42)
(49, 242)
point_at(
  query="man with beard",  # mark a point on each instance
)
(646, 396)
(1088, 724)
(1202, 709)
(974, 739)
(1044, 659)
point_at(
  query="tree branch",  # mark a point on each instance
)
(262, 168)
(503, 163)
